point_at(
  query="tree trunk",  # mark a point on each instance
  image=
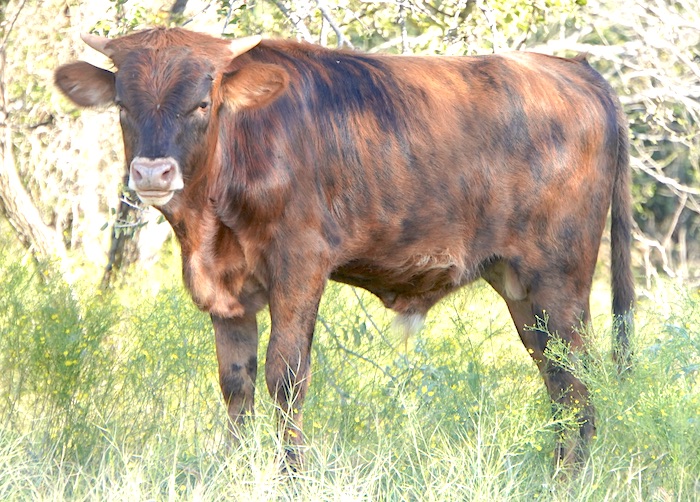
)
(123, 248)
(44, 242)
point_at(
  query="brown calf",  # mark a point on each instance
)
(281, 165)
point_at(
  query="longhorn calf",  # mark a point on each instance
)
(282, 165)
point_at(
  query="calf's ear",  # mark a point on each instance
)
(254, 86)
(85, 84)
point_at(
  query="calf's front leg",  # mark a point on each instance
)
(237, 353)
(293, 309)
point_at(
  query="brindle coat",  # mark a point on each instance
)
(281, 165)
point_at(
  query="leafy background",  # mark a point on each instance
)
(108, 386)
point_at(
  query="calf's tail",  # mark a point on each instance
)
(620, 248)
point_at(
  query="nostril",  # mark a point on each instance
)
(167, 173)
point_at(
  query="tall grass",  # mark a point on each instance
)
(115, 397)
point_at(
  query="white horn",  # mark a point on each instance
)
(98, 43)
(243, 45)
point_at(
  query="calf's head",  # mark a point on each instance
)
(170, 86)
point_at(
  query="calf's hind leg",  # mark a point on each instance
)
(537, 326)
(539, 316)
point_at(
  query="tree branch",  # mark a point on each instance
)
(491, 21)
(338, 33)
(12, 25)
(340, 345)
(296, 21)
(669, 182)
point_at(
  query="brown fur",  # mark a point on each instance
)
(407, 176)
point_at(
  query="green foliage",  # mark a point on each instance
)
(455, 27)
(65, 350)
(117, 398)
(650, 56)
(124, 17)
(52, 354)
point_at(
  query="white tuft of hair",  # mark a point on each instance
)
(408, 325)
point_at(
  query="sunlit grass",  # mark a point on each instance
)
(115, 397)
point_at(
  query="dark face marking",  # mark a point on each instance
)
(165, 103)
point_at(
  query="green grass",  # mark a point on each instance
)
(115, 397)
